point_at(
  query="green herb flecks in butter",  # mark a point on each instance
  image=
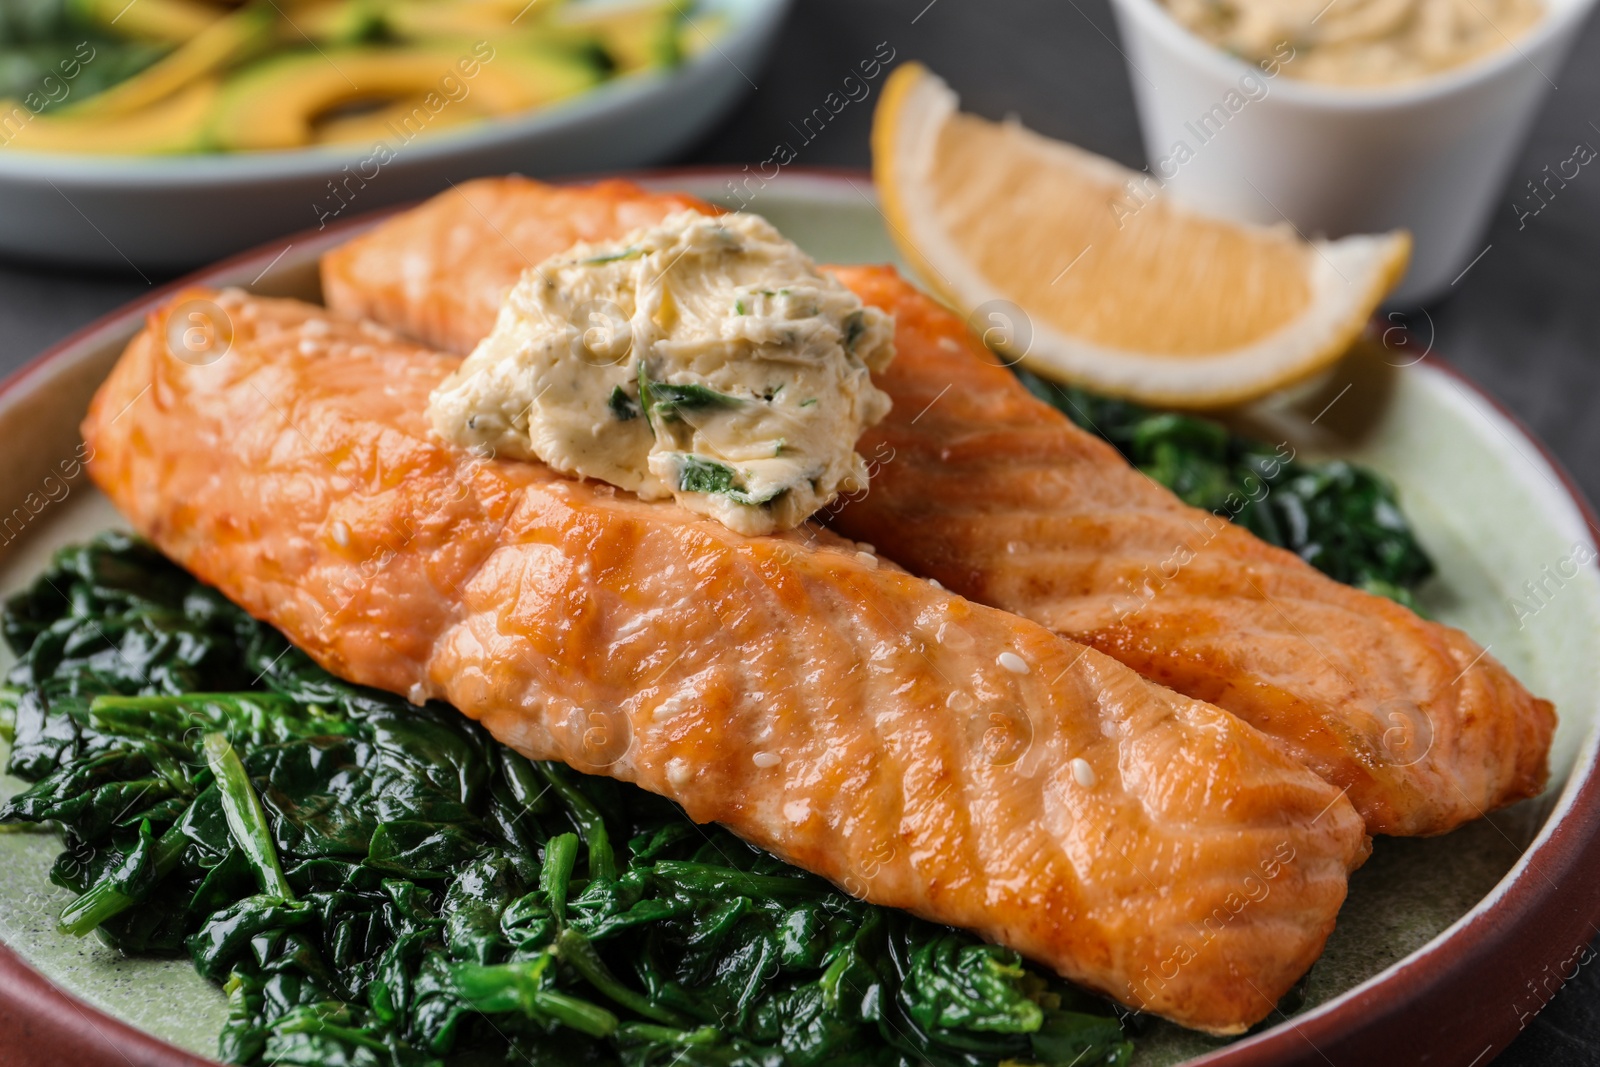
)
(723, 335)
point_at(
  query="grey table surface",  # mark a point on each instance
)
(1524, 322)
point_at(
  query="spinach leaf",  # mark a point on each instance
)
(373, 883)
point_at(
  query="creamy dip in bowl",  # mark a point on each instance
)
(1359, 42)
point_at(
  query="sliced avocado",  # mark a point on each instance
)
(421, 20)
(512, 23)
(638, 37)
(335, 22)
(277, 102)
(223, 42)
(170, 21)
(394, 121)
(179, 123)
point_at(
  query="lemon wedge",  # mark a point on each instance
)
(1090, 272)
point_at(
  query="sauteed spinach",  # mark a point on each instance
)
(379, 884)
(1342, 519)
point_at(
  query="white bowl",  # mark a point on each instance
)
(1429, 155)
(163, 213)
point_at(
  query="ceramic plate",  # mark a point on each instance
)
(1445, 946)
(168, 212)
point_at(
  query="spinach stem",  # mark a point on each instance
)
(579, 952)
(518, 986)
(591, 824)
(706, 1035)
(246, 821)
(103, 901)
(560, 855)
(581, 1015)
(725, 881)
(305, 1023)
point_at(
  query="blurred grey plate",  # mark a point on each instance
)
(157, 214)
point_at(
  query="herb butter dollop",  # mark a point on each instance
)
(704, 359)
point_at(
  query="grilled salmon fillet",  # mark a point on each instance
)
(917, 749)
(444, 271)
(1003, 499)
(1000, 497)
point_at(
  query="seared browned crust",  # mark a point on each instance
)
(1003, 499)
(444, 268)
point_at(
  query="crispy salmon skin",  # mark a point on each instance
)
(1004, 500)
(915, 748)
